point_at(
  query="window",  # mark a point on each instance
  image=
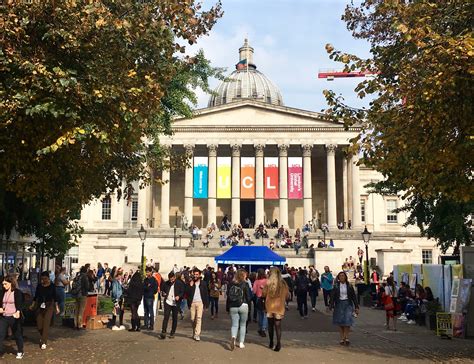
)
(73, 254)
(106, 208)
(134, 215)
(427, 256)
(391, 215)
(362, 210)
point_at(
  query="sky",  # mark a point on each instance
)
(288, 37)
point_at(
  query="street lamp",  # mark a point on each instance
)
(366, 236)
(174, 236)
(142, 235)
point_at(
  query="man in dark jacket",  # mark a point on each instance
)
(134, 297)
(81, 297)
(150, 288)
(172, 292)
(302, 285)
(198, 300)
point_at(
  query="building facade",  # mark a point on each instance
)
(255, 161)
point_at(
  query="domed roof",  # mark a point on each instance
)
(246, 83)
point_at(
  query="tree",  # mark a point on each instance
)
(418, 130)
(86, 88)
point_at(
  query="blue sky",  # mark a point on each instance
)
(288, 37)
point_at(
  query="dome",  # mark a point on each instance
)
(246, 83)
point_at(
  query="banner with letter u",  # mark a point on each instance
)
(200, 177)
(247, 178)
(271, 178)
(224, 177)
(295, 178)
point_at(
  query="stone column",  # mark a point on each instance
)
(235, 213)
(356, 223)
(307, 184)
(188, 185)
(331, 185)
(283, 169)
(212, 194)
(144, 195)
(259, 180)
(165, 193)
(348, 162)
(345, 197)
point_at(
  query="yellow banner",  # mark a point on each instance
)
(224, 177)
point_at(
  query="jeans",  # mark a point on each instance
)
(262, 320)
(313, 293)
(214, 305)
(15, 324)
(149, 311)
(98, 284)
(326, 295)
(173, 310)
(239, 316)
(302, 301)
(60, 298)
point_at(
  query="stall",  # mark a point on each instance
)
(250, 257)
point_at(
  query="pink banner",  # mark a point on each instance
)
(295, 178)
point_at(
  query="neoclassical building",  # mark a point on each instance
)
(255, 160)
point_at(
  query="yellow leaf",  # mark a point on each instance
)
(403, 28)
(100, 22)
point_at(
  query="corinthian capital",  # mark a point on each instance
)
(212, 148)
(236, 150)
(283, 150)
(189, 149)
(259, 148)
(307, 150)
(331, 149)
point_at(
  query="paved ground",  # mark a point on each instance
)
(314, 340)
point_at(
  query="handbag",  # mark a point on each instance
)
(388, 304)
(260, 304)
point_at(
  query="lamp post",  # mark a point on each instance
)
(366, 236)
(174, 236)
(142, 235)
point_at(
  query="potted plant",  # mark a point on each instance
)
(432, 307)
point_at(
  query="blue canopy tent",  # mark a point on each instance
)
(251, 256)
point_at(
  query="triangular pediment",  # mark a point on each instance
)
(252, 113)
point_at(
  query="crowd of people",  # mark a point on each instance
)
(262, 297)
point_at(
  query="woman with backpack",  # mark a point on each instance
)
(238, 300)
(344, 303)
(314, 286)
(214, 293)
(275, 293)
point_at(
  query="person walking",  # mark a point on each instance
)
(237, 304)
(257, 288)
(45, 304)
(327, 282)
(198, 300)
(79, 290)
(108, 279)
(344, 303)
(314, 286)
(116, 294)
(60, 283)
(275, 293)
(172, 292)
(100, 277)
(389, 298)
(214, 294)
(134, 298)
(150, 288)
(12, 301)
(302, 286)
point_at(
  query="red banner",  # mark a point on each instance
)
(295, 178)
(271, 178)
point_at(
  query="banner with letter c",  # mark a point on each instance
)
(295, 178)
(247, 177)
(271, 178)
(200, 177)
(224, 177)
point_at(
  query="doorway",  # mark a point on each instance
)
(247, 213)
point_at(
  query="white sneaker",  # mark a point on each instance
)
(115, 328)
(411, 322)
(20, 355)
(241, 345)
(122, 327)
(313, 309)
(197, 338)
(43, 346)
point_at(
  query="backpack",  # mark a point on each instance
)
(236, 295)
(302, 284)
(76, 290)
